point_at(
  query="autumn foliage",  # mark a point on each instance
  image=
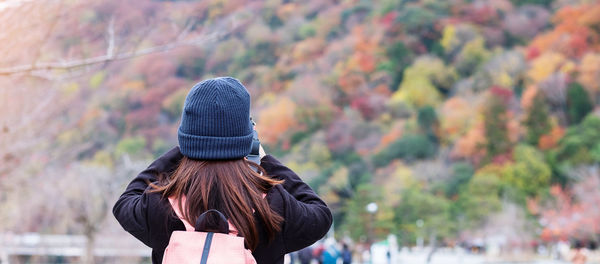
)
(451, 112)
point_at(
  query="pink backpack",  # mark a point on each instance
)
(209, 241)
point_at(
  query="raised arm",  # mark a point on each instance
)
(307, 217)
(132, 207)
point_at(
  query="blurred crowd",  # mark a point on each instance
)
(328, 251)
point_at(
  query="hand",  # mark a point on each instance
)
(261, 152)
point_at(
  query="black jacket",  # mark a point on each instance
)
(148, 217)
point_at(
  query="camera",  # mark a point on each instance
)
(254, 155)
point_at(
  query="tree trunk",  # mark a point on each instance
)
(89, 248)
(432, 245)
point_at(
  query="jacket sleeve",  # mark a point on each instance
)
(307, 217)
(132, 207)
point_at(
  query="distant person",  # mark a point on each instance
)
(593, 245)
(305, 255)
(293, 257)
(318, 253)
(579, 257)
(366, 256)
(267, 204)
(330, 253)
(346, 254)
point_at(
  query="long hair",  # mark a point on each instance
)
(230, 186)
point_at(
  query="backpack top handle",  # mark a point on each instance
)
(212, 221)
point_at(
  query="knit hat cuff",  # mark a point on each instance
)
(214, 148)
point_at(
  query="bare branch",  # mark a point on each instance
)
(50, 76)
(69, 65)
(186, 30)
(106, 58)
(111, 37)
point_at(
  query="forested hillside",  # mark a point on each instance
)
(476, 117)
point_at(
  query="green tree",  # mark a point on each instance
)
(307, 30)
(408, 147)
(399, 58)
(461, 175)
(595, 152)
(132, 146)
(589, 129)
(529, 174)
(480, 198)
(427, 119)
(423, 81)
(472, 56)
(532, 2)
(416, 19)
(574, 148)
(537, 120)
(359, 222)
(417, 205)
(579, 103)
(495, 122)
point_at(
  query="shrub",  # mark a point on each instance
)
(578, 103)
(408, 147)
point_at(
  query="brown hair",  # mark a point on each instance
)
(230, 186)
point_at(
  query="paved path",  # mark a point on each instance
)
(34, 244)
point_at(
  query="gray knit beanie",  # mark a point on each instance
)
(215, 123)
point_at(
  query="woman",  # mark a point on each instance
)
(579, 256)
(273, 209)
